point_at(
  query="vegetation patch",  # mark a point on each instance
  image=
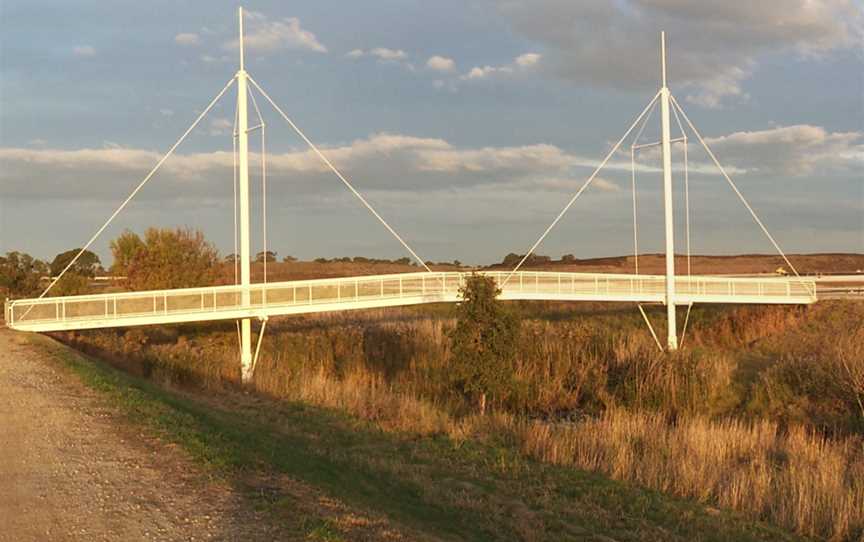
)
(440, 486)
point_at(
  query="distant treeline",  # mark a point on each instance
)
(512, 259)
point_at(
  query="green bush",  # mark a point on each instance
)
(483, 343)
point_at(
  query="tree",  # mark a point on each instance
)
(125, 249)
(172, 258)
(568, 258)
(511, 260)
(288, 259)
(271, 256)
(85, 266)
(76, 279)
(20, 274)
(483, 342)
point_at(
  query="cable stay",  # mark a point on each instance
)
(339, 174)
(756, 218)
(581, 189)
(633, 148)
(139, 186)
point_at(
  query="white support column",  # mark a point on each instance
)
(672, 328)
(245, 257)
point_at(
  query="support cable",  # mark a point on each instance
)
(263, 127)
(236, 254)
(635, 229)
(258, 347)
(740, 196)
(686, 192)
(581, 189)
(684, 331)
(338, 174)
(633, 183)
(650, 327)
(137, 188)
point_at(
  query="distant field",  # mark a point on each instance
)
(648, 263)
(848, 263)
(713, 265)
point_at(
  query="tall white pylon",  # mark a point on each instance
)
(243, 177)
(672, 328)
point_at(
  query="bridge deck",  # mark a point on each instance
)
(363, 292)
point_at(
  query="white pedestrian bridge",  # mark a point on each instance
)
(375, 291)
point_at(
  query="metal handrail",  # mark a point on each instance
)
(352, 292)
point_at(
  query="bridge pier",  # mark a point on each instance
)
(246, 350)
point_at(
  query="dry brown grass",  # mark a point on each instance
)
(797, 479)
(663, 422)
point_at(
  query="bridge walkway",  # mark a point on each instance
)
(376, 291)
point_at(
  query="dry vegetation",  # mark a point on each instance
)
(762, 413)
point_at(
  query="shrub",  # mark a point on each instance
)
(483, 342)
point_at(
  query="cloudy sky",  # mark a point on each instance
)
(467, 124)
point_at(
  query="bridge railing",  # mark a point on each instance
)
(382, 290)
(213, 300)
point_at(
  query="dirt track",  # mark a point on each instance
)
(71, 470)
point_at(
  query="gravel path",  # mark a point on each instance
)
(70, 469)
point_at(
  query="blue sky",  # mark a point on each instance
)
(468, 125)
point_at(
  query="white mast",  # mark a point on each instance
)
(672, 328)
(245, 257)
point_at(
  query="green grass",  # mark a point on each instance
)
(434, 486)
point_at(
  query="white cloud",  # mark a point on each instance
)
(481, 73)
(711, 92)
(520, 63)
(400, 163)
(798, 150)
(263, 35)
(210, 59)
(187, 38)
(440, 63)
(383, 53)
(713, 46)
(380, 162)
(220, 126)
(527, 60)
(83, 50)
(395, 57)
